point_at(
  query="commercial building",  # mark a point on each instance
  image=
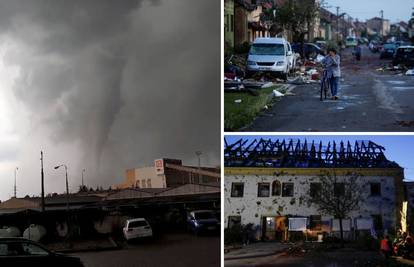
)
(268, 183)
(167, 173)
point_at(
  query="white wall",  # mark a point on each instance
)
(251, 208)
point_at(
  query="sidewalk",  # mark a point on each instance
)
(254, 250)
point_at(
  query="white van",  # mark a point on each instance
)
(137, 228)
(269, 55)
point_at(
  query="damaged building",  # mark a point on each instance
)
(267, 184)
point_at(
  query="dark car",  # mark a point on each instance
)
(388, 51)
(404, 56)
(310, 50)
(23, 252)
(202, 221)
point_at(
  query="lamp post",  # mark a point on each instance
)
(198, 153)
(67, 185)
(15, 175)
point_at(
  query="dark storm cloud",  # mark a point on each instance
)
(129, 81)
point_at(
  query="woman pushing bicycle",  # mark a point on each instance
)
(332, 70)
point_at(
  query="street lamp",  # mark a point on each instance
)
(15, 175)
(67, 185)
(82, 177)
(198, 153)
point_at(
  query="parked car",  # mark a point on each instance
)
(15, 251)
(404, 56)
(388, 51)
(374, 46)
(351, 41)
(199, 221)
(137, 228)
(311, 50)
(269, 55)
(291, 58)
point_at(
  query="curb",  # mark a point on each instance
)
(86, 250)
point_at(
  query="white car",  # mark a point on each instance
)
(291, 56)
(269, 55)
(137, 228)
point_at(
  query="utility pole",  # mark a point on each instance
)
(337, 24)
(382, 23)
(42, 175)
(198, 153)
(82, 177)
(15, 174)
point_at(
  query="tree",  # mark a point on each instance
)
(336, 196)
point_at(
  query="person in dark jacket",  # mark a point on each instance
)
(332, 67)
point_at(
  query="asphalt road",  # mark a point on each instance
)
(369, 100)
(171, 250)
(322, 259)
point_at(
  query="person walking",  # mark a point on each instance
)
(332, 71)
(357, 52)
(386, 248)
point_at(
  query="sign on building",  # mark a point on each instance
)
(159, 166)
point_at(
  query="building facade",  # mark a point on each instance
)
(273, 195)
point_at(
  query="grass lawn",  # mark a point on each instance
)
(237, 115)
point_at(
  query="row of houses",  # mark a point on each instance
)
(268, 184)
(245, 20)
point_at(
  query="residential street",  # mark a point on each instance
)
(369, 100)
(171, 250)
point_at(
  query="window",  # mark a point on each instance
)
(316, 222)
(32, 249)
(339, 189)
(375, 189)
(377, 221)
(315, 189)
(227, 23)
(137, 224)
(237, 189)
(137, 184)
(263, 189)
(234, 221)
(287, 190)
(143, 183)
(149, 183)
(231, 23)
(276, 188)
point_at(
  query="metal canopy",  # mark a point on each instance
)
(294, 153)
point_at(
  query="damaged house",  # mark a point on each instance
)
(268, 182)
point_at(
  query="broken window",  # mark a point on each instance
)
(315, 189)
(263, 189)
(276, 188)
(315, 222)
(377, 221)
(339, 189)
(287, 190)
(375, 189)
(234, 221)
(237, 189)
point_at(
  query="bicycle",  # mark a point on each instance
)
(324, 85)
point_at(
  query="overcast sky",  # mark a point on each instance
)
(105, 85)
(397, 148)
(395, 10)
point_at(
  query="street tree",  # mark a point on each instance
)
(336, 196)
(297, 17)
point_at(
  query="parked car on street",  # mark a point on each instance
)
(388, 51)
(15, 251)
(311, 51)
(137, 228)
(404, 56)
(269, 55)
(374, 46)
(351, 41)
(200, 221)
(291, 58)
